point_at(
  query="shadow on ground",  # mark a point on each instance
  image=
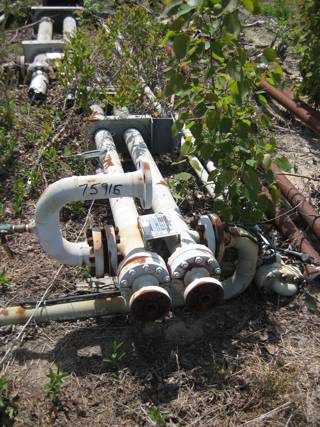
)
(192, 350)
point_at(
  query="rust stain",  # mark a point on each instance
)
(4, 312)
(136, 260)
(21, 312)
(91, 118)
(97, 238)
(146, 166)
(107, 163)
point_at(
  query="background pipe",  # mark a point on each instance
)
(297, 199)
(296, 237)
(310, 117)
(69, 27)
(39, 68)
(65, 311)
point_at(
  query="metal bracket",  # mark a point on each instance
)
(156, 132)
(31, 48)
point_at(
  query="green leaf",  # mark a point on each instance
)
(180, 45)
(249, 5)
(262, 100)
(183, 176)
(225, 124)
(212, 119)
(283, 163)
(232, 23)
(270, 54)
(186, 148)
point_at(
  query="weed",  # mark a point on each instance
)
(56, 379)
(116, 354)
(280, 9)
(155, 415)
(3, 279)
(179, 183)
(2, 209)
(18, 196)
(8, 410)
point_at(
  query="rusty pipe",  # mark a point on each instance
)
(66, 311)
(297, 199)
(297, 238)
(309, 116)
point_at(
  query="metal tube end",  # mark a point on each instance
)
(150, 303)
(202, 294)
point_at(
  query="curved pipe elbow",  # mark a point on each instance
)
(246, 266)
(74, 189)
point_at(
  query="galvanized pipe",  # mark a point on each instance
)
(297, 199)
(101, 306)
(69, 27)
(74, 189)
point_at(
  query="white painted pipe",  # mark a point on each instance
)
(147, 300)
(74, 189)
(279, 278)
(246, 265)
(45, 30)
(39, 67)
(196, 164)
(69, 27)
(65, 311)
(124, 210)
(163, 200)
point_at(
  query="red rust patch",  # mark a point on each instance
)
(21, 312)
(91, 119)
(107, 163)
(146, 166)
(4, 312)
(136, 260)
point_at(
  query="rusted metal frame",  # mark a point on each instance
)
(298, 200)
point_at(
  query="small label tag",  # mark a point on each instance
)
(155, 226)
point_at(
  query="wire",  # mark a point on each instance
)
(282, 214)
(17, 341)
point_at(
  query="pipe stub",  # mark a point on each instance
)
(150, 303)
(204, 293)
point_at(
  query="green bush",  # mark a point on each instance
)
(310, 47)
(214, 85)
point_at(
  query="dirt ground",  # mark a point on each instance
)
(253, 361)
